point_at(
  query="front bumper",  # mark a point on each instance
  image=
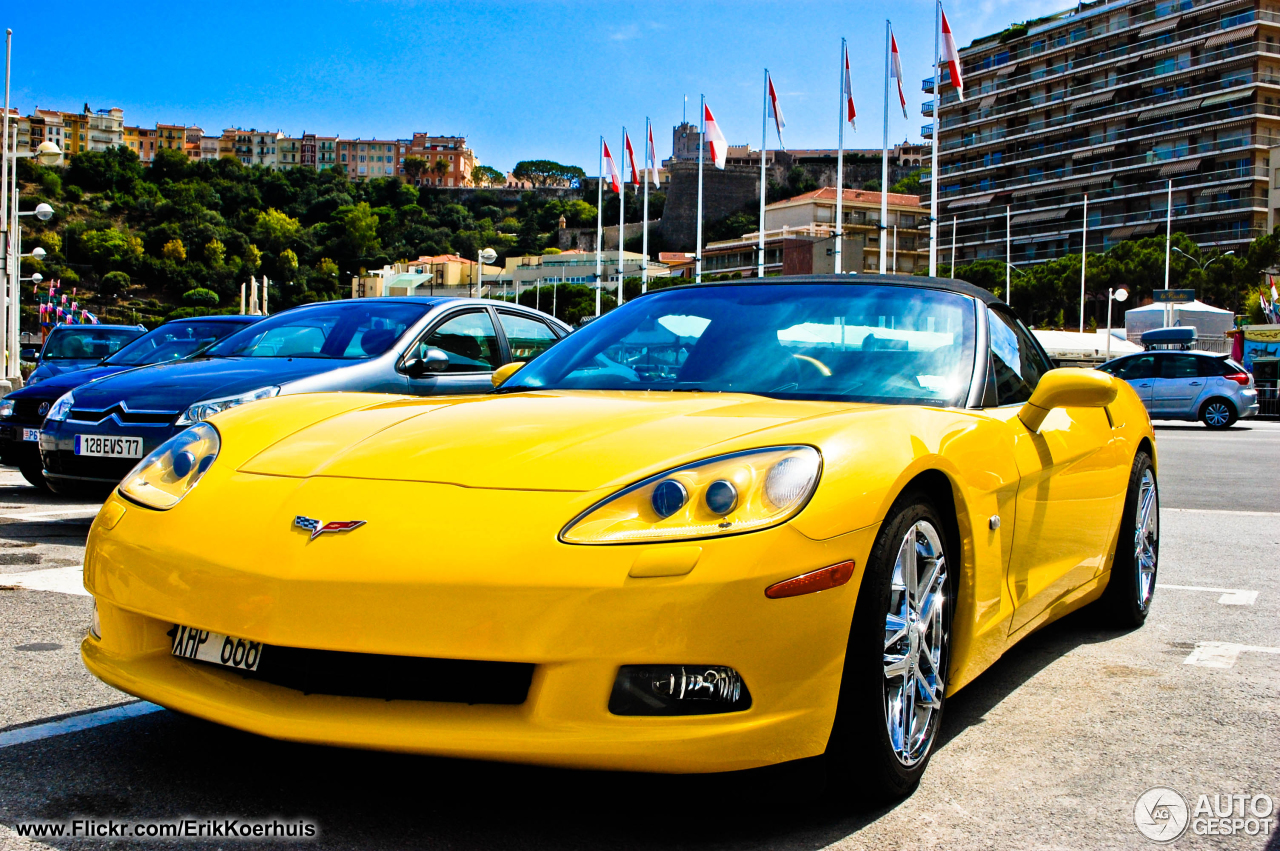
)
(489, 583)
(19, 443)
(61, 464)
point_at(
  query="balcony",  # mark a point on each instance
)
(926, 108)
(926, 85)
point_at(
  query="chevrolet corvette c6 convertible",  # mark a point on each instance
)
(720, 527)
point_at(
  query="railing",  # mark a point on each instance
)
(1268, 397)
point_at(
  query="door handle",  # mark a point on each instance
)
(1144, 385)
(1195, 384)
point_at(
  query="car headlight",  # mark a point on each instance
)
(725, 495)
(168, 474)
(201, 411)
(62, 407)
(6, 407)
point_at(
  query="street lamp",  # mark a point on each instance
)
(1202, 265)
(35, 278)
(486, 255)
(1113, 295)
(1010, 271)
(37, 254)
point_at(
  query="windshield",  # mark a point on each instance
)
(87, 343)
(172, 341)
(343, 330)
(891, 344)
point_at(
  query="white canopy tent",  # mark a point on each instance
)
(1208, 321)
(1072, 345)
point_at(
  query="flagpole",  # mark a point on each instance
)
(953, 246)
(764, 145)
(933, 162)
(644, 261)
(840, 167)
(599, 225)
(622, 213)
(884, 164)
(702, 144)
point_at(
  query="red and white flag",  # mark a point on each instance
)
(850, 112)
(775, 111)
(719, 148)
(651, 159)
(951, 56)
(611, 168)
(895, 70)
(631, 155)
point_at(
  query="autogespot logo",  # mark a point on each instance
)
(1161, 814)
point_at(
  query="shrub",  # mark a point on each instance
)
(200, 297)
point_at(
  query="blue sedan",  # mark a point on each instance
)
(96, 433)
(74, 347)
(23, 411)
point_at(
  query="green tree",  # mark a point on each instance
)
(275, 229)
(174, 250)
(483, 175)
(288, 264)
(441, 168)
(414, 166)
(215, 253)
(360, 227)
(547, 172)
(909, 185)
(112, 286)
(200, 297)
(110, 246)
(252, 259)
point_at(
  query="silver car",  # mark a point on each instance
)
(1202, 386)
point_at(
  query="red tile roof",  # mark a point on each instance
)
(828, 193)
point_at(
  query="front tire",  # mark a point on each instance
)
(34, 474)
(894, 684)
(1127, 598)
(1218, 413)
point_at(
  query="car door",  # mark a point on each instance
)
(1139, 371)
(1070, 491)
(526, 336)
(1177, 385)
(470, 341)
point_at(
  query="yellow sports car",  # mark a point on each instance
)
(721, 527)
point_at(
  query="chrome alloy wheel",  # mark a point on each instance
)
(1146, 538)
(915, 640)
(1217, 414)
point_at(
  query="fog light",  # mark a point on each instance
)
(678, 690)
(95, 625)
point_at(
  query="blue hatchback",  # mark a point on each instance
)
(22, 411)
(74, 347)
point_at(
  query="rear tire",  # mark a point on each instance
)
(893, 688)
(1218, 413)
(1127, 598)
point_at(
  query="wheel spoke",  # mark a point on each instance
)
(927, 691)
(895, 627)
(907, 557)
(894, 666)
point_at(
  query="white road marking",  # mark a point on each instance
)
(1222, 654)
(84, 511)
(1230, 596)
(1221, 511)
(76, 723)
(62, 580)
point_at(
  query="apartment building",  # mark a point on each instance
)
(368, 158)
(171, 136)
(1120, 100)
(47, 125)
(288, 153)
(105, 128)
(449, 160)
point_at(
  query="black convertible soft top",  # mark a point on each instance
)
(947, 284)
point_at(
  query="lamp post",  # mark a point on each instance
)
(47, 154)
(485, 255)
(1009, 271)
(1113, 295)
(1203, 264)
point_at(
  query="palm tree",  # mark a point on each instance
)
(414, 167)
(441, 168)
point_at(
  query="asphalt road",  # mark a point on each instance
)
(1049, 749)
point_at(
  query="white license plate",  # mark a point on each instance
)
(31, 434)
(206, 646)
(108, 447)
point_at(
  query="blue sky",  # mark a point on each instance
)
(530, 80)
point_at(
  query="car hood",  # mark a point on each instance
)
(175, 386)
(543, 441)
(50, 368)
(52, 388)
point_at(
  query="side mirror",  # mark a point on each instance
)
(1068, 387)
(432, 361)
(505, 371)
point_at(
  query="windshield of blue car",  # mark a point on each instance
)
(172, 341)
(886, 344)
(344, 330)
(86, 343)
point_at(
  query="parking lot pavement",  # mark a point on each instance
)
(1051, 748)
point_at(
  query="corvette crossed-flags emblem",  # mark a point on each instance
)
(319, 527)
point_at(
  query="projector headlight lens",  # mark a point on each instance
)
(164, 477)
(725, 495)
(678, 690)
